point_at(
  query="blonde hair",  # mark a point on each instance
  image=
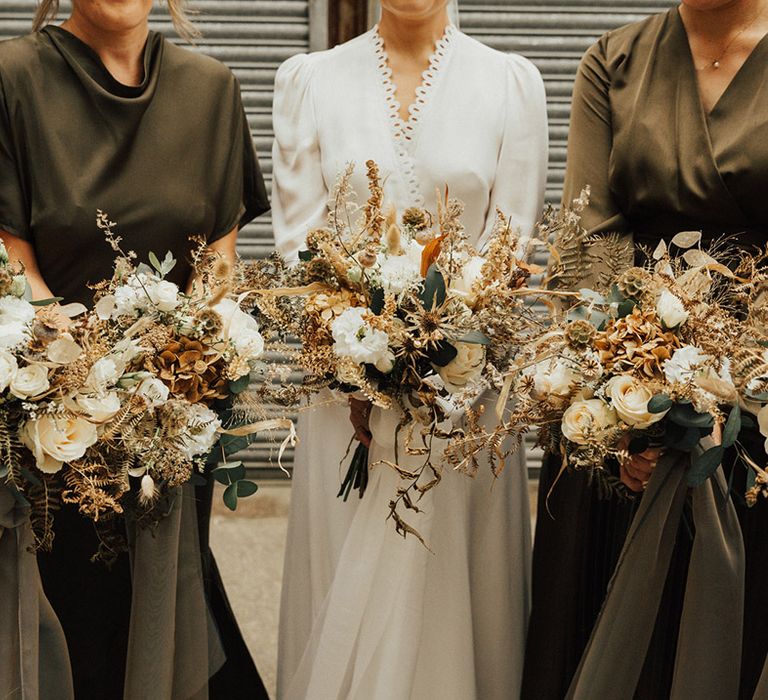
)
(48, 9)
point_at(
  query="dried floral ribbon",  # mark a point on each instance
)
(270, 424)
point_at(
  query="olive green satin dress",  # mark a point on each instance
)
(656, 164)
(168, 159)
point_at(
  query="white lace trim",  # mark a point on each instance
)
(404, 132)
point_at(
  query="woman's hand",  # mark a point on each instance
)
(359, 416)
(636, 470)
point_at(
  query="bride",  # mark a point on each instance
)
(366, 615)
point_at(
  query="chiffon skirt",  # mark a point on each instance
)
(575, 555)
(367, 615)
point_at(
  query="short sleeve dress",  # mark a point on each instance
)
(168, 159)
(656, 164)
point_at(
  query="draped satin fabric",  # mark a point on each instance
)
(30, 632)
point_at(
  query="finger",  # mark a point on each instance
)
(629, 481)
(652, 454)
(638, 474)
(641, 464)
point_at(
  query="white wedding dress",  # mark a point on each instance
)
(367, 615)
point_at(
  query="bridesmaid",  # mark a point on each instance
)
(669, 129)
(364, 613)
(102, 113)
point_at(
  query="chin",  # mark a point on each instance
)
(114, 15)
(413, 9)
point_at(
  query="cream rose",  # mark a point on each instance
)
(464, 286)
(553, 377)
(465, 368)
(587, 418)
(99, 408)
(153, 391)
(8, 368)
(55, 440)
(670, 310)
(630, 400)
(103, 373)
(164, 295)
(30, 381)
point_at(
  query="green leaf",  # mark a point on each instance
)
(443, 354)
(705, 465)
(687, 416)
(47, 302)
(229, 473)
(638, 444)
(233, 443)
(732, 427)
(751, 478)
(591, 295)
(246, 488)
(659, 403)
(475, 337)
(762, 396)
(434, 292)
(169, 262)
(377, 300)
(230, 497)
(626, 307)
(305, 255)
(240, 385)
(155, 262)
(615, 296)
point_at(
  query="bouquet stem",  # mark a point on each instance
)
(357, 474)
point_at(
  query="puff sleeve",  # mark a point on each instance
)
(521, 174)
(300, 194)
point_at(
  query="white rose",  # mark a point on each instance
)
(153, 391)
(355, 339)
(463, 286)
(15, 317)
(99, 408)
(164, 295)
(241, 329)
(55, 440)
(553, 377)
(670, 310)
(201, 433)
(465, 368)
(684, 364)
(585, 419)
(103, 373)
(8, 369)
(630, 400)
(30, 381)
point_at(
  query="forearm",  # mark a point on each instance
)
(226, 247)
(22, 252)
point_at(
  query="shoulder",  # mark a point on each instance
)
(487, 64)
(20, 55)
(615, 46)
(319, 64)
(189, 65)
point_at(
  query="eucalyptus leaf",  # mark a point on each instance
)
(732, 427)
(230, 497)
(615, 296)
(46, 302)
(238, 386)
(229, 473)
(751, 478)
(705, 465)
(233, 443)
(305, 255)
(434, 291)
(687, 416)
(626, 307)
(246, 488)
(592, 296)
(659, 403)
(476, 338)
(443, 354)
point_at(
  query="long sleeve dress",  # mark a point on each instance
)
(167, 159)
(656, 164)
(365, 614)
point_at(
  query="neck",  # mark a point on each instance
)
(412, 36)
(719, 22)
(121, 52)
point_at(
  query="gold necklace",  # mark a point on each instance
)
(715, 63)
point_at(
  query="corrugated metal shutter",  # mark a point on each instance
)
(253, 37)
(554, 35)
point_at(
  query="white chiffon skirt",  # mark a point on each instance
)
(367, 615)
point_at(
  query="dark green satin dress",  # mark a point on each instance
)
(656, 164)
(168, 159)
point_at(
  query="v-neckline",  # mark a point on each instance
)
(405, 129)
(737, 76)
